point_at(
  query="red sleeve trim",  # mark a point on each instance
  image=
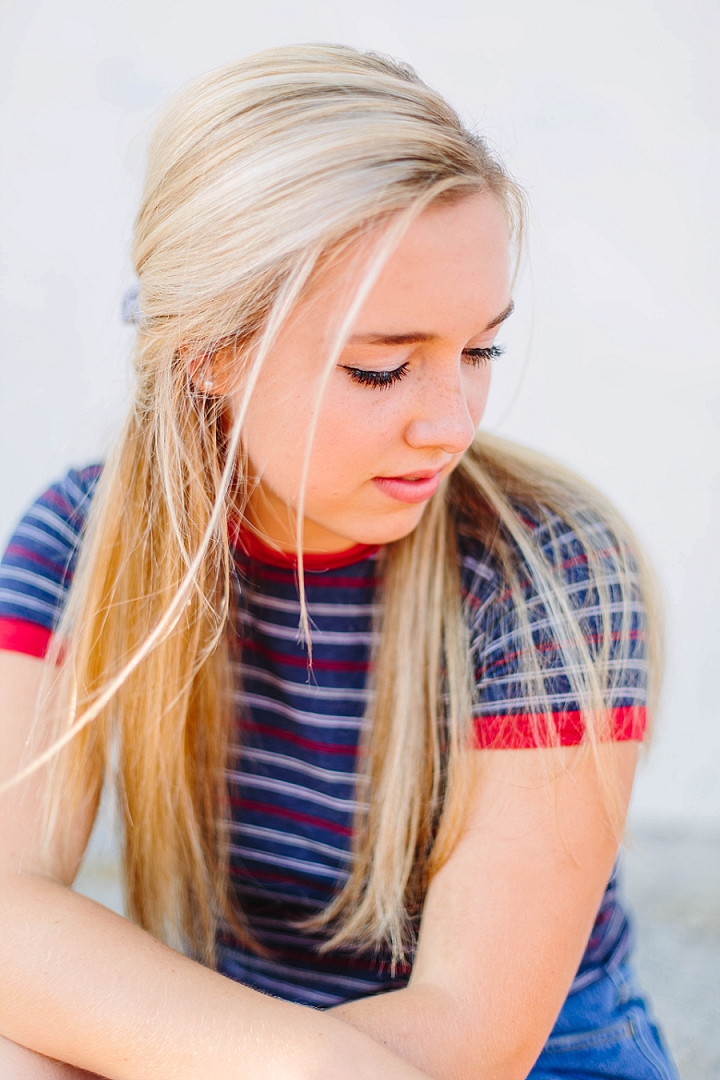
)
(525, 731)
(20, 636)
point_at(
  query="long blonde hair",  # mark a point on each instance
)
(258, 175)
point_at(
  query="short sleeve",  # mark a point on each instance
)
(37, 567)
(514, 712)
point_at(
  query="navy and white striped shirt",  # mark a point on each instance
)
(292, 781)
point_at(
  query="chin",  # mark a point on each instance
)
(389, 529)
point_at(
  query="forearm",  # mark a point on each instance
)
(82, 985)
(421, 1025)
(448, 1036)
(23, 1064)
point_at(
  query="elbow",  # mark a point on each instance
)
(470, 1044)
(473, 1057)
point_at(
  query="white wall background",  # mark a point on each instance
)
(606, 111)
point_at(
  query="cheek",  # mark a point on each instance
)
(275, 432)
(477, 393)
(349, 440)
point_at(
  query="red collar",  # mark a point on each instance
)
(253, 546)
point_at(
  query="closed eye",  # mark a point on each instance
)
(478, 357)
(385, 379)
(379, 379)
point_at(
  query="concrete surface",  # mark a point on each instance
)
(671, 879)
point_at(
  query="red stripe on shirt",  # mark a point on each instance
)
(248, 645)
(27, 555)
(291, 815)
(278, 576)
(299, 740)
(526, 731)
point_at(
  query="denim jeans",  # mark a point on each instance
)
(605, 1030)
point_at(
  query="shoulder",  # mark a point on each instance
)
(55, 521)
(555, 599)
(37, 566)
(560, 555)
(525, 520)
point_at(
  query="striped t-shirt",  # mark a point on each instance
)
(292, 780)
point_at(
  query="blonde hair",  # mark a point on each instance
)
(258, 175)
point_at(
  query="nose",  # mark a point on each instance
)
(442, 417)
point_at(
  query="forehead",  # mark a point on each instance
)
(450, 274)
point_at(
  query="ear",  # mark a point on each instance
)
(199, 369)
(210, 372)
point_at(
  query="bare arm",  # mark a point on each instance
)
(507, 918)
(23, 1064)
(82, 985)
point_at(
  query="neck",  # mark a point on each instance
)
(274, 523)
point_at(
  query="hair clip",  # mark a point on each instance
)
(130, 309)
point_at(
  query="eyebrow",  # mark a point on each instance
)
(413, 339)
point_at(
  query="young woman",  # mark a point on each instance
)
(372, 684)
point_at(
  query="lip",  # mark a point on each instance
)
(412, 487)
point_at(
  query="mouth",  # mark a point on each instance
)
(412, 487)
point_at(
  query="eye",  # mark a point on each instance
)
(478, 357)
(377, 378)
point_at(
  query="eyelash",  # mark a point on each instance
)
(384, 379)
